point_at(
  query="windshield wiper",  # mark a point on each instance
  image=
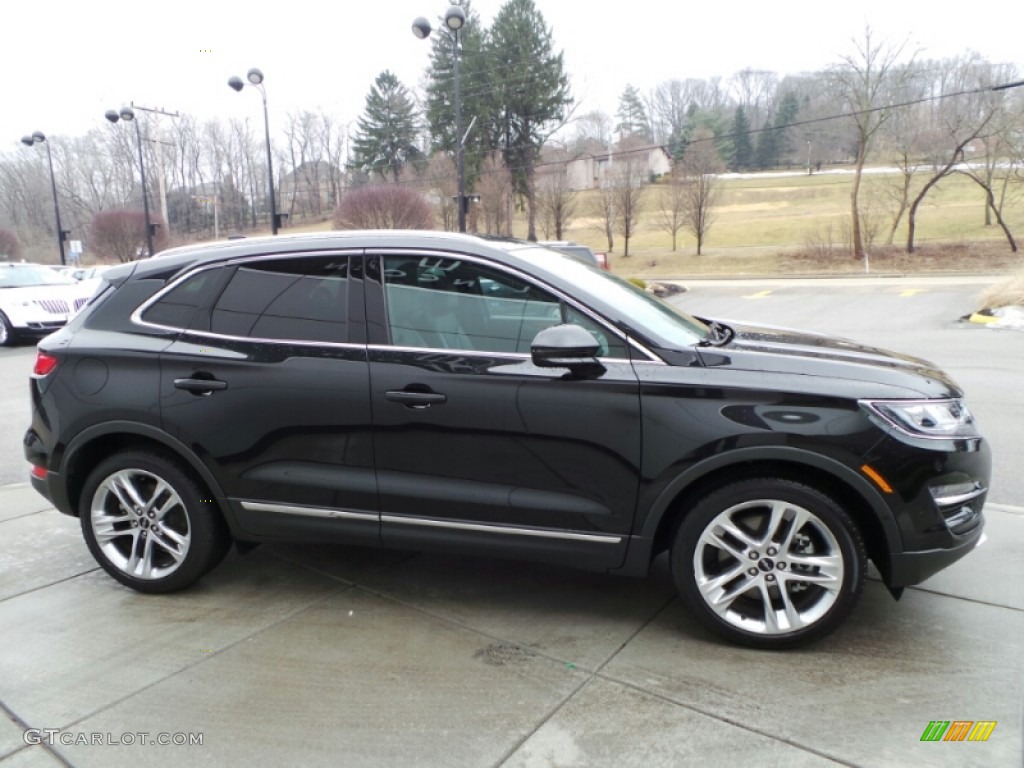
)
(720, 334)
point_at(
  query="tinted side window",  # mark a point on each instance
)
(300, 299)
(175, 308)
(448, 303)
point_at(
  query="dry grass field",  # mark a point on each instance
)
(800, 224)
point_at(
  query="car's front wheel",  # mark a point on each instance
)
(769, 563)
(149, 524)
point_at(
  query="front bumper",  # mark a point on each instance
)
(909, 568)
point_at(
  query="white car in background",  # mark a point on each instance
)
(35, 300)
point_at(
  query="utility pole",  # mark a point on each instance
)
(159, 157)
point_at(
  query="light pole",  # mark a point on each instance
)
(454, 19)
(255, 78)
(127, 113)
(40, 138)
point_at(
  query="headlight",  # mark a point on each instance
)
(925, 418)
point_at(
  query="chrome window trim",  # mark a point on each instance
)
(597, 538)
(625, 338)
(261, 340)
(325, 512)
(478, 353)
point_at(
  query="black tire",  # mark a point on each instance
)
(7, 335)
(149, 523)
(741, 574)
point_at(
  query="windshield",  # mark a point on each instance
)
(28, 275)
(664, 324)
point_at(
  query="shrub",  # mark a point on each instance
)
(384, 206)
(120, 234)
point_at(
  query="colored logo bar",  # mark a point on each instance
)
(958, 730)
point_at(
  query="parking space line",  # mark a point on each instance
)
(912, 291)
(758, 295)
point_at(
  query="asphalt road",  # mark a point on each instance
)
(907, 315)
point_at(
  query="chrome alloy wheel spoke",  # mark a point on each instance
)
(136, 523)
(756, 582)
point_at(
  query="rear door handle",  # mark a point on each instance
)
(417, 400)
(200, 386)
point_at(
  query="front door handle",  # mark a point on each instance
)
(200, 386)
(417, 400)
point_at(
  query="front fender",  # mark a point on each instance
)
(641, 545)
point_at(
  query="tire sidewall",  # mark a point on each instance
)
(821, 506)
(207, 532)
(7, 335)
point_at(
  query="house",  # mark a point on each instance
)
(591, 171)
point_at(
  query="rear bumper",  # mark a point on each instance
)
(50, 486)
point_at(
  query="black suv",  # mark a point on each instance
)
(436, 391)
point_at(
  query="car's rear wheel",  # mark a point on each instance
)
(6, 331)
(149, 523)
(769, 563)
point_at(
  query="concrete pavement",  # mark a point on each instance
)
(315, 655)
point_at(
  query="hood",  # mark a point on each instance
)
(786, 350)
(70, 294)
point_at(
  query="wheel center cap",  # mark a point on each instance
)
(766, 565)
(144, 523)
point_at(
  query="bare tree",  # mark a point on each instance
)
(670, 111)
(556, 201)
(10, 247)
(602, 208)
(700, 166)
(960, 121)
(440, 178)
(628, 180)
(593, 128)
(754, 90)
(495, 189)
(868, 80)
(672, 205)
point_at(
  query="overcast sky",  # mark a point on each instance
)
(65, 63)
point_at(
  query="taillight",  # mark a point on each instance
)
(45, 363)
(602, 260)
(39, 472)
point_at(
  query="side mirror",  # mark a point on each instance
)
(567, 346)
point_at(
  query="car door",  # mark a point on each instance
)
(476, 447)
(268, 385)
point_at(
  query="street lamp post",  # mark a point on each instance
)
(127, 113)
(454, 19)
(40, 138)
(255, 78)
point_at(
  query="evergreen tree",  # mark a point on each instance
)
(774, 144)
(530, 91)
(632, 114)
(475, 77)
(386, 137)
(742, 151)
(789, 108)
